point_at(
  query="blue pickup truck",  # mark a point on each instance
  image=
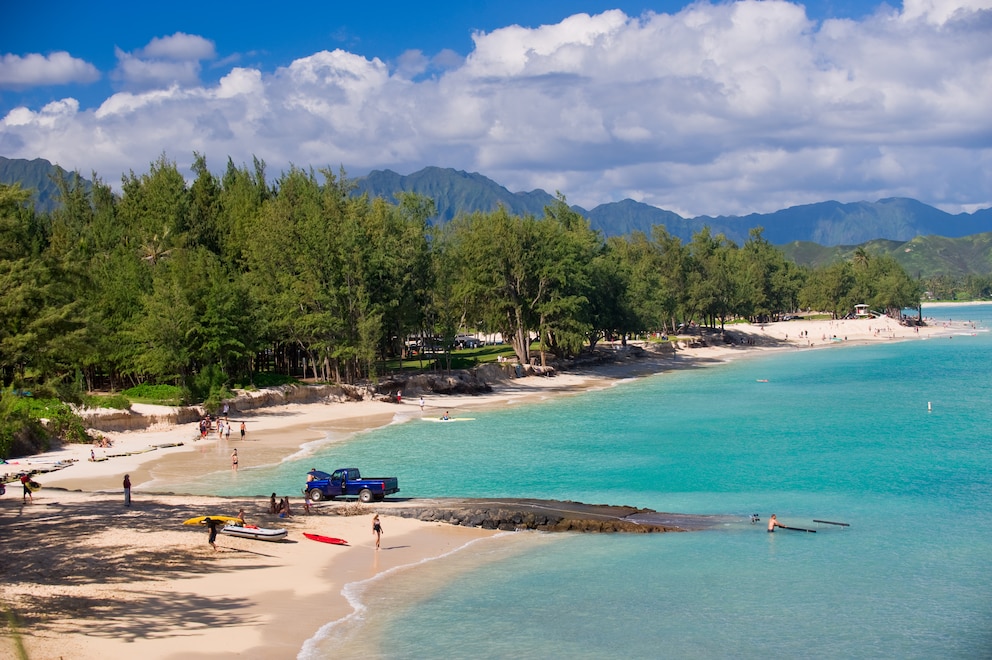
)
(348, 482)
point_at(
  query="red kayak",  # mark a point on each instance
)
(325, 539)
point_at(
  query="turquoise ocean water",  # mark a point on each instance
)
(837, 434)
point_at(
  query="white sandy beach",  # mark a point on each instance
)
(89, 578)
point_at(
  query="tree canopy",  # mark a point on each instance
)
(214, 280)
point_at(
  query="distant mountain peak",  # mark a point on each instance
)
(829, 223)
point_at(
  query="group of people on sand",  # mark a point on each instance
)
(223, 428)
(280, 508)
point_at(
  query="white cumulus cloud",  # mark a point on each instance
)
(179, 46)
(164, 61)
(54, 69)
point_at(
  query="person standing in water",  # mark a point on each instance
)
(773, 523)
(234, 460)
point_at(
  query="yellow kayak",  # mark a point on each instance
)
(199, 519)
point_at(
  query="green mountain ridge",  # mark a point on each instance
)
(827, 223)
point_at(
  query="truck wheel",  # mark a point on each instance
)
(365, 496)
(316, 494)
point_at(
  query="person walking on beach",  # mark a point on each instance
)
(212, 533)
(127, 490)
(242, 430)
(234, 460)
(376, 530)
(227, 431)
(773, 523)
(25, 480)
(421, 404)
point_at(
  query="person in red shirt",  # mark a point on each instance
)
(25, 480)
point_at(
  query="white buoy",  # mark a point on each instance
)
(929, 407)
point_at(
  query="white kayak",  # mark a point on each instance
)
(252, 532)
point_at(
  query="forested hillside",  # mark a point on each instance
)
(209, 283)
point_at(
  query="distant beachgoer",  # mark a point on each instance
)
(272, 504)
(445, 416)
(421, 404)
(226, 409)
(284, 510)
(241, 518)
(212, 534)
(399, 397)
(376, 530)
(234, 460)
(227, 431)
(25, 480)
(242, 430)
(92, 455)
(127, 490)
(773, 523)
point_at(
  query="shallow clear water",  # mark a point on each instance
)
(841, 435)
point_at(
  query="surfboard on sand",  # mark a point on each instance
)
(325, 539)
(199, 519)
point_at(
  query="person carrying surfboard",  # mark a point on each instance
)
(212, 534)
(25, 482)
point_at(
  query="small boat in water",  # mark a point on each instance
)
(253, 532)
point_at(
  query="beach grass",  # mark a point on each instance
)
(15, 634)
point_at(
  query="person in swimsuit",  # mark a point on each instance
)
(234, 460)
(773, 523)
(376, 530)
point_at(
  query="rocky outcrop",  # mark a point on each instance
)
(285, 394)
(448, 382)
(545, 515)
(138, 418)
(147, 416)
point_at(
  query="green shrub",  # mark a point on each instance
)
(269, 379)
(22, 430)
(115, 401)
(163, 395)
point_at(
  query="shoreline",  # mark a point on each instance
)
(251, 587)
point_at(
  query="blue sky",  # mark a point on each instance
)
(700, 108)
